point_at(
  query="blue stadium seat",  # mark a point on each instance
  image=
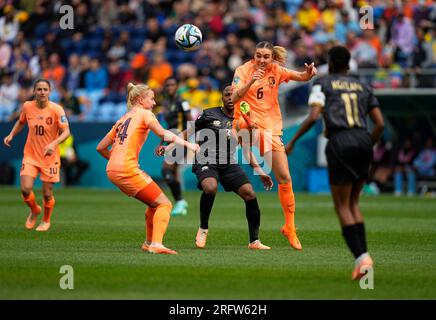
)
(140, 32)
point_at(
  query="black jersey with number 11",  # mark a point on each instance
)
(346, 102)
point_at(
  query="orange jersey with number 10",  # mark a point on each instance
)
(44, 125)
(128, 136)
(262, 95)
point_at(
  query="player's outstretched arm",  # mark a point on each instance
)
(315, 111)
(379, 124)
(306, 75)
(18, 126)
(171, 137)
(240, 92)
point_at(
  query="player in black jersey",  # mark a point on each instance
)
(345, 103)
(177, 113)
(215, 163)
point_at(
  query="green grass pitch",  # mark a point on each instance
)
(99, 234)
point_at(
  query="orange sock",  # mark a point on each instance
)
(48, 209)
(160, 221)
(287, 200)
(149, 215)
(30, 200)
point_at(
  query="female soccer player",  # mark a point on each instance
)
(345, 103)
(177, 113)
(218, 164)
(48, 127)
(256, 85)
(126, 138)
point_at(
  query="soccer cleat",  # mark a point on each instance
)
(361, 269)
(160, 250)
(180, 208)
(200, 239)
(43, 226)
(145, 246)
(257, 245)
(292, 237)
(31, 219)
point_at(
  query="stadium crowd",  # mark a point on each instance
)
(117, 41)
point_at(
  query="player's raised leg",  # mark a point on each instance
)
(29, 198)
(252, 213)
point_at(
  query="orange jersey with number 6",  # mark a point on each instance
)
(44, 125)
(128, 136)
(262, 95)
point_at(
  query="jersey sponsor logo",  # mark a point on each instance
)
(40, 118)
(204, 168)
(49, 121)
(217, 123)
(271, 81)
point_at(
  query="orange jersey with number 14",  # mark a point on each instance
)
(44, 125)
(262, 95)
(128, 136)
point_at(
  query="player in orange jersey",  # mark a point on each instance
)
(48, 127)
(255, 95)
(126, 139)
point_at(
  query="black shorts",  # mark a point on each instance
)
(349, 156)
(231, 176)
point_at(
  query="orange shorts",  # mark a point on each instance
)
(130, 183)
(263, 139)
(48, 174)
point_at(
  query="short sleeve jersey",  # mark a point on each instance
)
(44, 125)
(346, 102)
(176, 113)
(128, 136)
(214, 124)
(263, 94)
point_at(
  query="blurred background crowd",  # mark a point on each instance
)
(117, 41)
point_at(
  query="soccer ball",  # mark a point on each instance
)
(188, 37)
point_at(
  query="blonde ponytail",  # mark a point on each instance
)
(133, 92)
(280, 55)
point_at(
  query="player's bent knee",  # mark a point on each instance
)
(26, 192)
(210, 189)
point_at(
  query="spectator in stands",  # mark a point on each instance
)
(72, 78)
(8, 24)
(107, 13)
(403, 34)
(72, 104)
(8, 93)
(55, 72)
(96, 77)
(345, 25)
(425, 162)
(404, 163)
(382, 166)
(308, 16)
(5, 54)
(160, 68)
(85, 66)
(421, 60)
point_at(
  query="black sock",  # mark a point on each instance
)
(360, 227)
(351, 236)
(176, 190)
(206, 203)
(252, 213)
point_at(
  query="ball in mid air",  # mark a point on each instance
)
(188, 37)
